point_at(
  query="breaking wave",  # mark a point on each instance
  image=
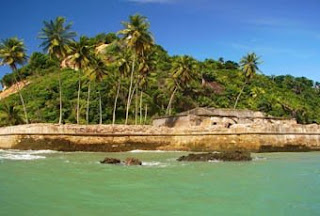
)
(23, 155)
(154, 164)
(258, 158)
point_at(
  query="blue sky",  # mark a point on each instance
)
(285, 33)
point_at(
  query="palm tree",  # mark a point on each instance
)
(249, 66)
(78, 59)
(96, 73)
(11, 115)
(138, 38)
(57, 36)
(13, 53)
(123, 63)
(183, 71)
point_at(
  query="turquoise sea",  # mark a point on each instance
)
(55, 183)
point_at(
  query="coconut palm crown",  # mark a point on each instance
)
(184, 69)
(12, 52)
(249, 65)
(56, 36)
(79, 54)
(136, 34)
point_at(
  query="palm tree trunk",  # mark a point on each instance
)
(145, 113)
(78, 102)
(60, 97)
(132, 94)
(136, 108)
(100, 108)
(239, 95)
(115, 103)
(168, 112)
(88, 103)
(14, 68)
(141, 107)
(130, 88)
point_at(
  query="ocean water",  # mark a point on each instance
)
(55, 183)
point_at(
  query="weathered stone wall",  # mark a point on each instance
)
(108, 138)
(191, 120)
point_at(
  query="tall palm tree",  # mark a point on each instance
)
(249, 66)
(183, 71)
(56, 36)
(13, 53)
(138, 38)
(11, 115)
(123, 63)
(146, 67)
(78, 59)
(96, 72)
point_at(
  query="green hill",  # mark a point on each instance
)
(278, 95)
(211, 83)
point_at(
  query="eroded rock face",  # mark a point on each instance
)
(132, 162)
(222, 156)
(110, 161)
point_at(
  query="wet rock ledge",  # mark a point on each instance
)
(127, 162)
(221, 156)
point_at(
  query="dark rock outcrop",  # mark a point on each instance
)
(132, 161)
(222, 156)
(110, 161)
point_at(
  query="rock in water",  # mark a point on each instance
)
(132, 161)
(222, 156)
(110, 161)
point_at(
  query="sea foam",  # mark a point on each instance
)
(154, 164)
(151, 151)
(23, 155)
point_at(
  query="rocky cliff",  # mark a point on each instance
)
(108, 138)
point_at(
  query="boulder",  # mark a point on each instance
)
(222, 156)
(132, 161)
(110, 161)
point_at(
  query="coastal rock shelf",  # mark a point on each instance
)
(110, 161)
(108, 138)
(220, 156)
(127, 162)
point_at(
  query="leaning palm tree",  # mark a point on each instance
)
(96, 72)
(78, 59)
(183, 71)
(56, 36)
(138, 38)
(249, 66)
(13, 53)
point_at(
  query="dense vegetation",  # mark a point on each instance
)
(125, 77)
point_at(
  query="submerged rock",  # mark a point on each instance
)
(132, 161)
(222, 156)
(110, 161)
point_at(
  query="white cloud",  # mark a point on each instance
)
(272, 50)
(274, 22)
